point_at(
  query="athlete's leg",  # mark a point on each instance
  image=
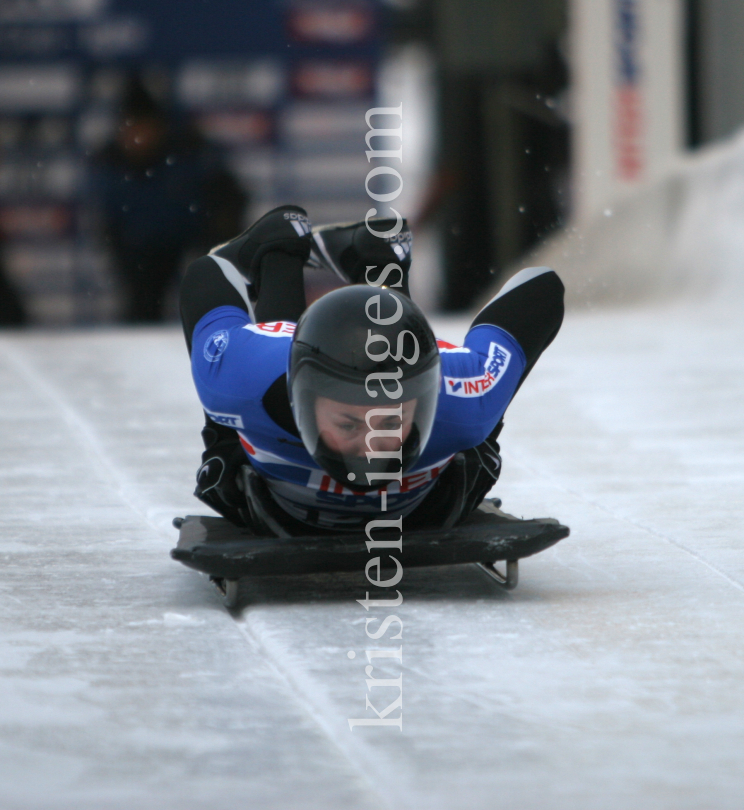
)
(282, 293)
(204, 287)
(530, 308)
(259, 271)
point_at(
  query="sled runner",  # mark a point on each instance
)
(227, 553)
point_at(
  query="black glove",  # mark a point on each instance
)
(484, 474)
(461, 487)
(217, 478)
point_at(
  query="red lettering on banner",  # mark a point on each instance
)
(325, 483)
(629, 133)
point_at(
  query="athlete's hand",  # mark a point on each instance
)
(217, 478)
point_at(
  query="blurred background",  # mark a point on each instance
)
(134, 135)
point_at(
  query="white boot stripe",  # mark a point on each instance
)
(234, 276)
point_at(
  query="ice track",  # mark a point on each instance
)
(611, 678)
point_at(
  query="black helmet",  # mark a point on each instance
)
(364, 378)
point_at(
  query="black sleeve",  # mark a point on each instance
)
(204, 287)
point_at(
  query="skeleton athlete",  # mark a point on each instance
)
(320, 418)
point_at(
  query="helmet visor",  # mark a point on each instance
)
(364, 433)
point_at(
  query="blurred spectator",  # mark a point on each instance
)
(163, 192)
(12, 311)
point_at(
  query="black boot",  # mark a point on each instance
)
(285, 229)
(349, 249)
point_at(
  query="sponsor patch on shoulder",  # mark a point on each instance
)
(216, 345)
(495, 366)
(233, 420)
(274, 329)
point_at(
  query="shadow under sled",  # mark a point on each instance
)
(227, 553)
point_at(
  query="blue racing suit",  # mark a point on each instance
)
(235, 362)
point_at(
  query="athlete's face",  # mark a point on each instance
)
(344, 428)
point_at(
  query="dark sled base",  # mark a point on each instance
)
(216, 547)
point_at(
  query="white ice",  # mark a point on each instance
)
(611, 678)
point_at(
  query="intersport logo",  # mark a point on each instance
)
(495, 366)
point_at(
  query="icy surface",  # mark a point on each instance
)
(612, 677)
